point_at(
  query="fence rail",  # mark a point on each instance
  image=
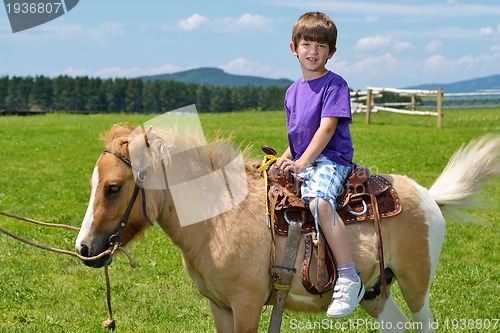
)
(372, 92)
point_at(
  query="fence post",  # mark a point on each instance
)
(413, 102)
(368, 105)
(440, 107)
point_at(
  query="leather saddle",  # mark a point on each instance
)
(354, 204)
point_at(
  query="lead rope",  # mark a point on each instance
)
(110, 322)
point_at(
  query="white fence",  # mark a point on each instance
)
(364, 102)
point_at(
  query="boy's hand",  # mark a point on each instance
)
(286, 164)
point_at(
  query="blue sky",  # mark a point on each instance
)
(381, 43)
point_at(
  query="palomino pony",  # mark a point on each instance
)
(228, 256)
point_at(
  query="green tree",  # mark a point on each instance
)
(18, 93)
(62, 97)
(133, 96)
(220, 100)
(272, 98)
(244, 98)
(203, 98)
(41, 93)
(151, 97)
(95, 95)
(4, 86)
(115, 93)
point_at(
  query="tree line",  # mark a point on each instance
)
(89, 94)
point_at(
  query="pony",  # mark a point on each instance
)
(228, 255)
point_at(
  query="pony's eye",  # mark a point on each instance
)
(113, 189)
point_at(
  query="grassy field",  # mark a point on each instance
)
(46, 165)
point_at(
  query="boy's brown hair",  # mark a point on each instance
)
(315, 27)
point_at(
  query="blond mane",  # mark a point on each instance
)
(165, 142)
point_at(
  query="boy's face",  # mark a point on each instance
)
(312, 57)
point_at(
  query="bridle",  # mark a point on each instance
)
(116, 238)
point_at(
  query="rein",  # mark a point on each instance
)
(109, 323)
(115, 241)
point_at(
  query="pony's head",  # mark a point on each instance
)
(161, 174)
(117, 208)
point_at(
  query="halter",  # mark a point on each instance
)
(141, 176)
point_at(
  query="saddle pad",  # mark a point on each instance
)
(353, 205)
(387, 200)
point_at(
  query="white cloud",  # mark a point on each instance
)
(75, 72)
(436, 63)
(451, 9)
(117, 71)
(100, 33)
(63, 30)
(239, 65)
(250, 20)
(465, 66)
(486, 31)
(433, 46)
(390, 71)
(372, 19)
(103, 31)
(374, 42)
(194, 21)
(242, 66)
(370, 66)
(245, 21)
(403, 46)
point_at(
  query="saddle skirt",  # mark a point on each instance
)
(354, 205)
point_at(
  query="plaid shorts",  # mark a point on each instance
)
(323, 179)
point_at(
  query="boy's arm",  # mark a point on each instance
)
(316, 146)
(287, 154)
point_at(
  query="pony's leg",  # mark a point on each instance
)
(423, 319)
(416, 295)
(241, 319)
(387, 313)
(223, 318)
(247, 317)
(415, 286)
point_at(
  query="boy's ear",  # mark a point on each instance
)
(292, 48)
(332, 53)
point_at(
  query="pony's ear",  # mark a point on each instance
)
(146, 151)
(116, 133)
(122, 146)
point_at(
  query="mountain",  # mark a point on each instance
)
(473, 85)
(217, 77)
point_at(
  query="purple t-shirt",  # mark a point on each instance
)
(306, 102)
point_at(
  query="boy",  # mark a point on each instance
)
(320, 151)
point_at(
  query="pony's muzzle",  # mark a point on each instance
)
(85, 251)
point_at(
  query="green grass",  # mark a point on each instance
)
(46, 165)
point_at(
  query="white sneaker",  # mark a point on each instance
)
(346, 296)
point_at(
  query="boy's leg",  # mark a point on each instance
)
(348, 290)
(336, 235)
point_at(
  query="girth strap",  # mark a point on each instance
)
(283, 276)
(378, 231)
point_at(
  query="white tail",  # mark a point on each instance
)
(467, 171)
